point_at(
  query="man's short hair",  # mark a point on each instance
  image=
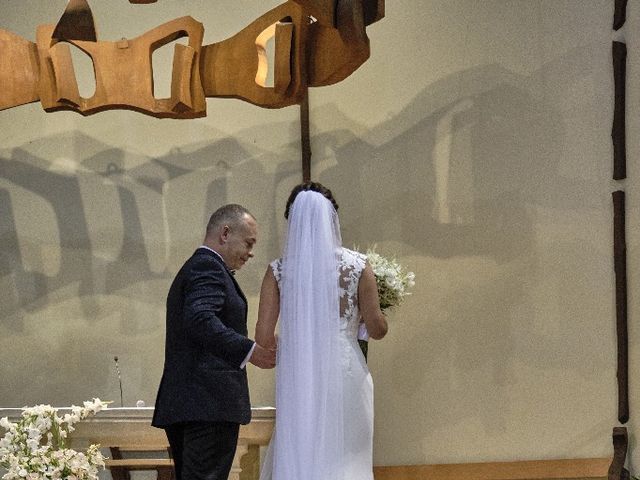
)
(231, 214)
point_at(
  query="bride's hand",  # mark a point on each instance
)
(263, 357)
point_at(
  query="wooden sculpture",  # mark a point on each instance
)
(237, 66)
(123, 72)
(317, 43)
(76, 23)
(19, 71)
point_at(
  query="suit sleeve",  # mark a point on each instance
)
(205, 295)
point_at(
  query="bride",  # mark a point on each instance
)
(320, 291)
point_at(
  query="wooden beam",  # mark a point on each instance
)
(305, 139)
(618, 132)
(620, 14)
(620, 444)
(583, 468)
(620, 267)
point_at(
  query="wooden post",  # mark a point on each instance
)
(618, 132)
(620, 444)
(620, 267)
(305, 139)
(620, 14)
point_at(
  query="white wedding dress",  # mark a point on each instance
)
(351, 424)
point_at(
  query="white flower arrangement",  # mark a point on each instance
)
(393, 282)
(34, 448)
(392, 279)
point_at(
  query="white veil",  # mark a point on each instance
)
(309, 443)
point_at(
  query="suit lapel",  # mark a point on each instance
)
(240, 292)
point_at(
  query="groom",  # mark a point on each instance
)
(203, 396)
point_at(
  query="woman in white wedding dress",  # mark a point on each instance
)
(320, 292)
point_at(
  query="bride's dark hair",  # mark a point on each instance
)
(309, 186)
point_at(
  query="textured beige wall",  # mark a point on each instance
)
(474, 145)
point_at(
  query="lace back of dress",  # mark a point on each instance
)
(350, 269)
(346, 299)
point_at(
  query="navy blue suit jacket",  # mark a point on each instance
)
(206, 341)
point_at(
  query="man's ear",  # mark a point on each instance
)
(224, 235)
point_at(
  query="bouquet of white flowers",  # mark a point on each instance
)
(34, 448)
(393, 282)
(392, 279)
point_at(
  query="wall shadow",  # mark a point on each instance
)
(453, 177)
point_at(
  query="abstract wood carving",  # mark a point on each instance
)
(316, 43)
(618, 132)
(339, 52)
(229, 68)
(620, 266)
(324, 11)
(123, 73)
(76, 23)
(19, 71)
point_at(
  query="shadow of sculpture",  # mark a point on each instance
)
(457, 176)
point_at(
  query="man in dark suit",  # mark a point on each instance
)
(203, 397)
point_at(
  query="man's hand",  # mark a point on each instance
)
(263, 357)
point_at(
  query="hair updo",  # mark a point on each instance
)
(313, 187)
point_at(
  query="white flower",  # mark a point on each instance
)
(33, 444)
(34, 447)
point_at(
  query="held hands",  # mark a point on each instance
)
(263, 357)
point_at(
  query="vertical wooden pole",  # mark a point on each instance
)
(618, 132)
(618, 136)
(305, 139)
(620, 446)
(620, 266)
(620, 14)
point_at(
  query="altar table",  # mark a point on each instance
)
(131, 428)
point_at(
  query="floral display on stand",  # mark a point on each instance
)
(35, 446)
(393, 282)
